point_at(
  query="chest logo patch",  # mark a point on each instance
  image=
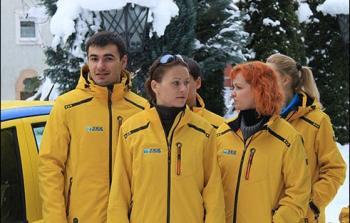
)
(151, 150)
(231, 152)
(94, 129)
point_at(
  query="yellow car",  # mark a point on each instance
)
(22, 125)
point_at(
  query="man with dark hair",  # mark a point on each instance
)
(76, 157)
(194, 100)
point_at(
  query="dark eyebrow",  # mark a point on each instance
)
(108, 55)
(105, 55)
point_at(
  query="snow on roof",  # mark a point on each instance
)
(62, 23)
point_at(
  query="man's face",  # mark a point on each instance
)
(194, 85)
(105, 64)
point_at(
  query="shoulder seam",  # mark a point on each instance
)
(285, 141)
(310, 122)
(134, 103)
(126, 135)
(215, 126)
(198, 129)
(77, 103)
(223, 133)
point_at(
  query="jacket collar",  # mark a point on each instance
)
(200, 106)
(182, 118)
(307, 105)
(85, 83)
(235, 123)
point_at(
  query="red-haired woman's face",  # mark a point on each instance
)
(242, 93)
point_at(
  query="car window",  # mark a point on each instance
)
(38, 130)
(12, 192)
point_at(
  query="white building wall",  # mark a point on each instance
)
(18, 58)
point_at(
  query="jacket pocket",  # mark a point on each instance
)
(186, 159)
(256, 168)
(68, 195)
(250, 163)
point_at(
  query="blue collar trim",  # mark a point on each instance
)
(292, 104)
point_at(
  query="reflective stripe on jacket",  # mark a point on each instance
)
(159, 179)
(77, 150)
(266, 178)
(327, 167)
(214, 119)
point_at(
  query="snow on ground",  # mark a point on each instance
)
(342, 198)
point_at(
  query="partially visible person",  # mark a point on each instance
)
(194, 100)
(79, 142)
(166, 165)
(303, 110)
(261, 156)
(344, 215)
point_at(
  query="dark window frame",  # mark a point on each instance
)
(20, 170)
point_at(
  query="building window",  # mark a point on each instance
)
(27, 84)
(26, 29)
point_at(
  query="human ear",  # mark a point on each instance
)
(155, 87)
(198, 83)
(124, 61)
(286, 80)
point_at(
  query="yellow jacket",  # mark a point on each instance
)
(173, 180)
(214, 119)
(266, 178)
(77, 150)
(327, 167)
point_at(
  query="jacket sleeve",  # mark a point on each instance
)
(332, 168)
(52, 159)
(293, 204)
(119, 204)
(213, 194)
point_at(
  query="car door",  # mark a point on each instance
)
(20, 140)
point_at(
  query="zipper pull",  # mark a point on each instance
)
(120, 120)
(178, 162)
(250, 162)
(169, 154)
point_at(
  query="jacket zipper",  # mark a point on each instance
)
(250, 162)
(178, 161)
(169, 170)
(68, 196)
(239, 181)
(110, 135)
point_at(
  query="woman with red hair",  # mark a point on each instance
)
(261, 156)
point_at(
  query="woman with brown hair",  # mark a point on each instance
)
(166, 165)
(261, 156)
